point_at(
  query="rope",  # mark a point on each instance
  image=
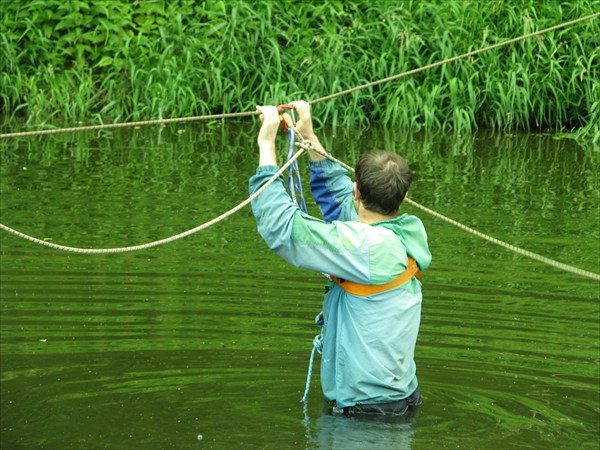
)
(140, 123)
(317, 347)
(303, 146)
(455, 58)
(318, 100)
(309, 374)
(512, 248)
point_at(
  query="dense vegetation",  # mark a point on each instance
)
(91, 61)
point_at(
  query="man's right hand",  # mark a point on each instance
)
(304, 126)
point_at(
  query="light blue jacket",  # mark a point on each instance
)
(368, 342)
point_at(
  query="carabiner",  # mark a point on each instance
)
(281, 108)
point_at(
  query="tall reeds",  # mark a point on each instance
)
(114, 60)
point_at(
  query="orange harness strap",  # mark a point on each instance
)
(364, 290)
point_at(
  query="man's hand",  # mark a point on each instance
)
(266, 137)
(304, 126)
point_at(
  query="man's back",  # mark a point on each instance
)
(368, 339)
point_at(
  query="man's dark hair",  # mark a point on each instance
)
(383, 178)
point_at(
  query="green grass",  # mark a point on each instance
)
(85, 61)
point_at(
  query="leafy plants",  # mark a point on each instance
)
(100, 61)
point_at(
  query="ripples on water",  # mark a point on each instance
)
(210, 336)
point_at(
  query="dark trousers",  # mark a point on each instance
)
(384, 409)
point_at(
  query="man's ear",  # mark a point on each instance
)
(356, 192)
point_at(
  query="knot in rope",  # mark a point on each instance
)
(318, 343)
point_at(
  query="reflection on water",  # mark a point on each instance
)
(211, 335)
(338, 432)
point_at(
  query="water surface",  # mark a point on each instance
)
(204, 343)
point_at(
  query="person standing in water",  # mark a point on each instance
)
(374, 255)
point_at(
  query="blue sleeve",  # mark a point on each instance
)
(332, 190)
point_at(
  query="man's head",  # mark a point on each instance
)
(382, 179)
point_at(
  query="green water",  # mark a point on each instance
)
(204, 343)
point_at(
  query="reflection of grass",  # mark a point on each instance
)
(174, 157)
(111, 61)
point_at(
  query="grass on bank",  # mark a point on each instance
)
(112, 61)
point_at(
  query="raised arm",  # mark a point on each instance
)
(329, 183)
(266, 137)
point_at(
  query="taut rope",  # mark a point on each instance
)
(512, 248)
(303, 145)
(455, 58)
(318, 100)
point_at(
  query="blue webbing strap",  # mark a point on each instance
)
(294, 179)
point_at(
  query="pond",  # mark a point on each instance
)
(204, 343)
